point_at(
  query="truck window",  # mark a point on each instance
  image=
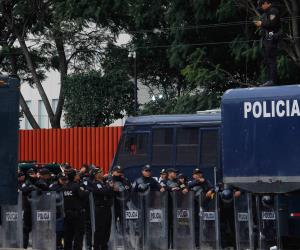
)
(133, 150)
(187, 146)
(209, 148)
(162, 146)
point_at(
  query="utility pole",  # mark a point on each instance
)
(132, 54)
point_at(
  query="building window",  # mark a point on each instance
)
(54, 104)
(42, 115)
(27, 124)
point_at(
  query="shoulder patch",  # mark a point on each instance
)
(272, 17)
(99, 186)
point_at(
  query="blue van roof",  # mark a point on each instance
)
(173, 119)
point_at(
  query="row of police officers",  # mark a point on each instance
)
(74, 219)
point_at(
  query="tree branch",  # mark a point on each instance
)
(28, 113)
(234, 80)
(35, 77)
(231, 77)
(63, 65)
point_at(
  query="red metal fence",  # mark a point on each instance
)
(75, 146)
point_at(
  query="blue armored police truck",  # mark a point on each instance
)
(261, 155)
(9, 126)
(251, 149)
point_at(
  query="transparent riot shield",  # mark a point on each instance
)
(44, 220)
(133, 222)
(243, 222)
(156, 221)
(209, 223)
(118, 208)
(183, 221)
(116, 237)
(268, 222)
(12, 225)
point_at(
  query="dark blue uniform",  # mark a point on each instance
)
(26, 188)
(146, 183)
(196, 186)
(58, 188)
(271, 34)
(103, 200)
(74, 196)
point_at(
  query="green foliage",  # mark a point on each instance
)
(96, 99)
(110, 14)
(188, 51)
(159, 106)
(214, 50)
(185, 104)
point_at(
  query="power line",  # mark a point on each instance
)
(158, 30)
(165, 46)
(204, 26)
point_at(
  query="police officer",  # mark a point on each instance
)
(84, 173)
(122, 188)
(202, 188)
(44, 180)
(121, 183)
(200, 185)
(103, 198)
(171, 186)
(58, 187)
(77, 178)
(183, 183)
(85, 180)
(226, 209)
(26, 206)
(270, 25)
(172, 182)
(146, 181)
(163, 178)
(27, 187)
(74, 195)
(59, 184)
(31, 176)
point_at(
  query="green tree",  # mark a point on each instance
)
(37, 36)
(97, 98)
(215, 46)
